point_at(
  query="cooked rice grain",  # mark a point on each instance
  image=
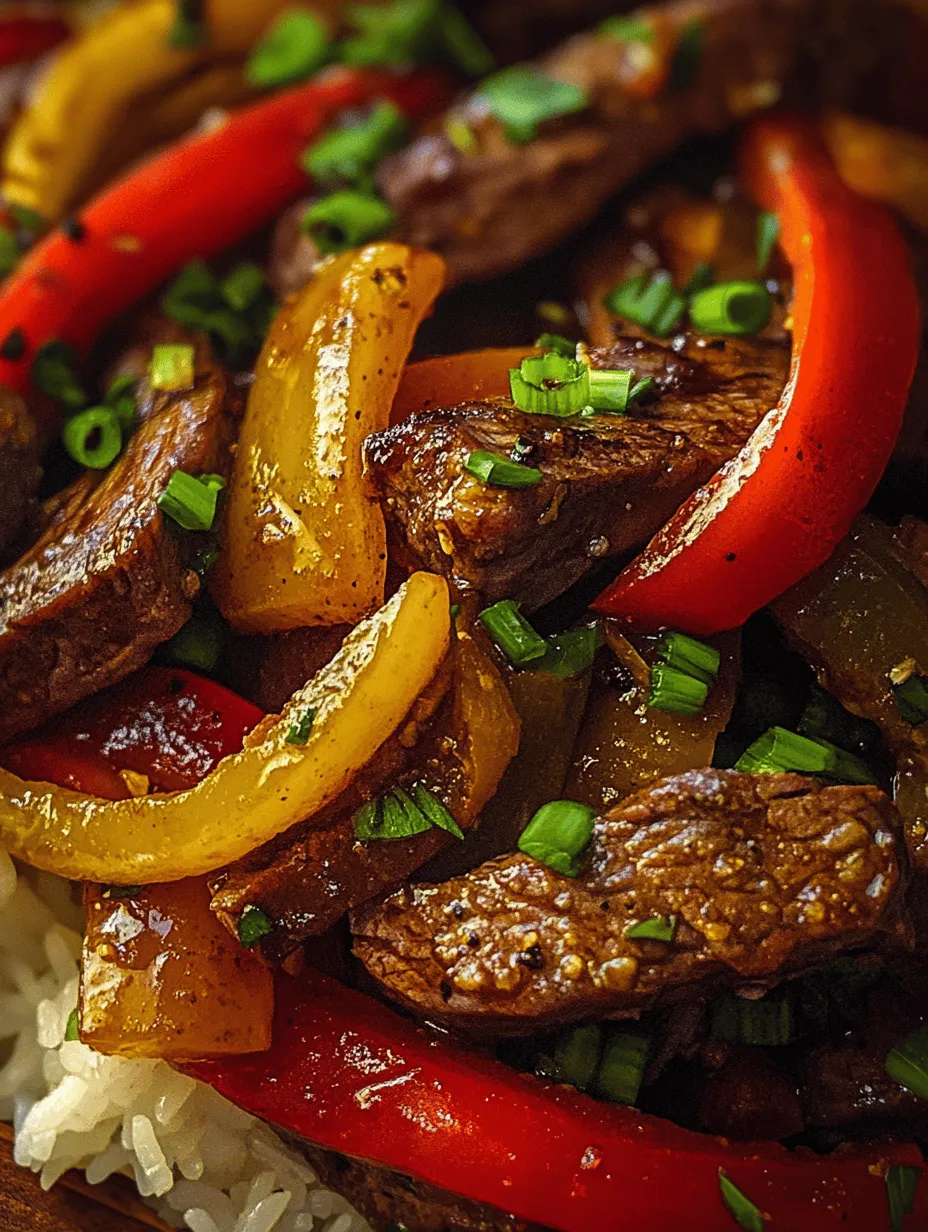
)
(200, 1162)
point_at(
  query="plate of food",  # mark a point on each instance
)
(464, 616)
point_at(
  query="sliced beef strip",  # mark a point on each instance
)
(489, 210)
(19, 467)
(766, 875)
(609, 481)
(106, 582)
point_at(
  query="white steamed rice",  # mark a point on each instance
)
(199, 1161)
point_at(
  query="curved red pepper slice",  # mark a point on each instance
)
(350, 1074)
(201, 196)
(25, 36)
(776, 511)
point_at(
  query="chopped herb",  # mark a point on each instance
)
(901, 1186)
(645, 385)
(657, 928)
(912, 699)
(621, 1069)
(347, 219)
(119, 891)
(572, 653)
(768, 1022)
(454, 611)
(676, 692)
(700, 278)
(685, 63)
(628, 29)
(295, 47)
(554, 313)
(609, 390)
(739, 308)
(253, 926)
(691, 656)
(557, 343)
(558, 834)
(10, 251)
(461, 135)
(824, 718)
(550, 384)
(576, 1056)
(521, 98)
(172, 367)
(198, 644)
(397, 814)
(745, 1214)
(512, 633)
(52, 371)
(349, 154)
(651, 302)
(189, 29)
(190, 502)
(768, 232)
(243, 286)
(461, 43)
(498, 472)
(120, 398)
(406, 32)
(72, 1030)
(93, 438)
(196, 298)
(780, 751)
(907, 1063)
(299, 730)
(432, 808)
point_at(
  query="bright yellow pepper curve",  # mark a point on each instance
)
(97, 82)
(359, 700)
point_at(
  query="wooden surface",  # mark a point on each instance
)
(71, 1206)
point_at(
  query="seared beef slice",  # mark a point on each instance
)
(765, 874)
(609, 482)
(105, 584)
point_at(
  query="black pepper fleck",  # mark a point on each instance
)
(13, 345)
(532, 958)
(74, 229)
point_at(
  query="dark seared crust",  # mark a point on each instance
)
(488, 211)
(609, 481)
(19, 466)
(105, 584)
(766, 874)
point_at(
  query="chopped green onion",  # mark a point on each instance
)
(641, 387)
(745, 1214)
(738, 308)
(768, 1022)
(407, 31)
(576, 1056)
(628, 29)
(557, 343)
(912, 699)
(433, 809)
(72, 1030)
(768, 232)
(189, 28)
(27, 219)
(550, 384)
(93, 438)
(700, 278)
(657, 928)
(172, 366)
(120, 398)
(557, 834)
(907, 1063)
(461, 135)
(189, 502)
(901, 1186)
(52, 371)
(521, 98)
(621, 1069)
(462, 44)
(199, 643)
(685, 63)
(253, 926)
(572, 653)
(554, 313)
(609, 390)
(670, 316)
(298, 731)
(780, 751)
(10, 251)
(350, 154)
(824, 718)
(295, 47)
(242, 286)
(688, 655)
(651, 303)
(347, 219)
(366, 821)
(676, 692)
(512, 633)
(121, 891)
(499, 472)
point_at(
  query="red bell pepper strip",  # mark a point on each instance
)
(166, 723)
(26, 37)
(201, 196)
(350, 1074)
(777, 511)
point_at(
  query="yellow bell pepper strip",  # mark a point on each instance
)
(354, 704)
(304, 543)
(198, 198)
(82, 101)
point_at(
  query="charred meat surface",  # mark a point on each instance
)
(106, 582)
(496, 202)
(608, 482)
(19, 466)
(765, 875)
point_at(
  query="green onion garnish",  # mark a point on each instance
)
(643, 386)
(676, 692)
(691, 656)
(512, 633)
(397, 814)
(72, 1029)
(657, 928)
(739, 308)
(93, 438)
(10, 251)
(199, 643)
(172, 366)
(557, 343)
(685, 63)
(120, 398)
(243, 286)
(779, 751)
(52, 371)
(189, 28)
(189, 501)
(912, 699)
(521, 98)
(651, 303)
(768, 232)
(628, 29)
(295, 47)
(908, 1063)
(550, 384)
(576, 1056)
(621, 1069)
(433, 809)
(572, 653)
(253, 925)
(499, 472)
(557, 834)
(299, 730)
(349, 155)
(347, 219)
(461, 43)
(901, 1186)
(745, 1214)
(405, 32)
(196, 298)
(609, 390)
(765, 1023)
(700, 278)
(461, 135)
(120, 891)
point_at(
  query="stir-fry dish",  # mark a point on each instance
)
(464, 611)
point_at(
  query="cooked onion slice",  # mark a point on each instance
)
(358, 700)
